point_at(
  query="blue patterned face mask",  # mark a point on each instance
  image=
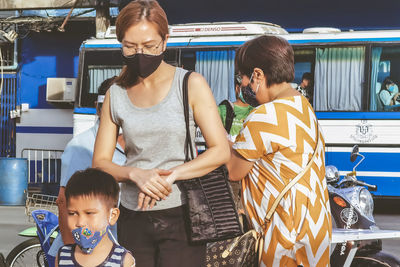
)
(391, 88)
(88, 240)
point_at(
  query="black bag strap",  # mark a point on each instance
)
(230, 114)
(188, 139)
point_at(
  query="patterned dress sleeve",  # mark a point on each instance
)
(252, 143)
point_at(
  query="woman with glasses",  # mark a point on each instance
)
(276, 143)
(147, 103)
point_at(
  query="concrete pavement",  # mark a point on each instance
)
(12, 221)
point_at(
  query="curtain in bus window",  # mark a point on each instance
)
(97, 74)
(339, 77)
(375, 59)
(217, 67)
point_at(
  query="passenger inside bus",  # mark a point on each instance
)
(306, 85)
(389, 95)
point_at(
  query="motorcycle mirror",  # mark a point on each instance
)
(354, 153)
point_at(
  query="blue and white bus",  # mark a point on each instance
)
(348, 70)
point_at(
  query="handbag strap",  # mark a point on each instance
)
(188, 139)
(293, 182)
(260, 241)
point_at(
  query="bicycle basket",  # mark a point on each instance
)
(40, 202)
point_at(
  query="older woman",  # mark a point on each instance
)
(276, 143)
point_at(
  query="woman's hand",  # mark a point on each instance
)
(395, 98)
(146, 202)
(151, 183)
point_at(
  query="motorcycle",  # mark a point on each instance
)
(352, 207)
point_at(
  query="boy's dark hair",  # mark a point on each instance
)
(272, 54)
(93, 182)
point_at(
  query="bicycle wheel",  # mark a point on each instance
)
(2, 261)
(27, 254)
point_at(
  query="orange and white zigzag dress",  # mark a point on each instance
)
(280, 138)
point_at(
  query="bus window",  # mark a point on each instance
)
(98, 65)
(339, 78)
(188, 60)
(304, 60)
(218, 68)
(172, 57)
(385, 78)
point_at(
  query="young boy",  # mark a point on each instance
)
(92, 197)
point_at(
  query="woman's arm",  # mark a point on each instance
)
(206, 116)
(395, 98)
(149, 181)
(238, 167)
(385, 97)
(66, 233)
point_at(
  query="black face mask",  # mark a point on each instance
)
(249, 96)
(143, 64)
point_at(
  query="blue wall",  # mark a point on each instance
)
(46, 55)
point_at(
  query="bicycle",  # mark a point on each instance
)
(33, 252)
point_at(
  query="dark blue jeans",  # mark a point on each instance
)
(158, 238)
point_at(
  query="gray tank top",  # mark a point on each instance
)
(154, 136)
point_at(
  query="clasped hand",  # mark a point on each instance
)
(155, 185)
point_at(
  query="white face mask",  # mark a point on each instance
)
(109, 220)
(109, 231)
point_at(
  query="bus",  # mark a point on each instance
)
(348, 70)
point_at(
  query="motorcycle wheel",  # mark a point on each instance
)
(27, 254)
(379, 259)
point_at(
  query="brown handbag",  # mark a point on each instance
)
(243, 251)
(239, 251)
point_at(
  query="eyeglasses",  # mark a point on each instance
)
(238, 79)
(146, 49)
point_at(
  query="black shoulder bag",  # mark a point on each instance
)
(211, 211)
